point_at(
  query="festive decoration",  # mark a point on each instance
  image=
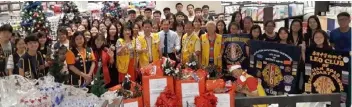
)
(129, 89)
(33, 17)
(167, 98)
(214, 72)
(168, 68)
(111, 9)
(193, 63)
(98, 87)
(206, 100)
(71, 13)
(55, 91)
(56, 69)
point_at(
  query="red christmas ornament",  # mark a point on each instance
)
(35, 14)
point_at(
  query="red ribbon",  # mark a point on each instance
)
(206, 100)
(167, 99)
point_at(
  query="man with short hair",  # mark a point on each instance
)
(169, 41)
(6, 47)
(221, 16)
(198, 12)
(31, 64)
(147, 14)
(206, 16)
(341, 37)
(131, 16)
(157, 17)
(190, 43)
(180, 17)
(166, 11)
(190, 9)
(148, 45)
(179, 7)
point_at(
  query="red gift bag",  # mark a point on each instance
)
(225, 99)
(133, 102)
(188, 86)
(153, 86)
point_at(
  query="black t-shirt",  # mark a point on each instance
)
(34, 63)
(268, 39)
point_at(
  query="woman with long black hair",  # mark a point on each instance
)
(296, 32)
(283, 36)
(44, 49)
(237, 18)
(221, 27)
(313, 25)
(104, 57)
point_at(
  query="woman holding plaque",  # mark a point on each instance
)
(320, 40)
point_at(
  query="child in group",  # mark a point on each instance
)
(15, 57)
(31, 64)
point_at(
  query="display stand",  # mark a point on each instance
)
(268, 11)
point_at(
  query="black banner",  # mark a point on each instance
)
(327, 71)
(235, 50)
(276, 65)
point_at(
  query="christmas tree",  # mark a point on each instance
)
(98, 87)
(33, 17)
(56, 69)
(71, 13)
(111, 9)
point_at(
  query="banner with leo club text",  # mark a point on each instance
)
(276, 66)
(328, 71)
(235, 50)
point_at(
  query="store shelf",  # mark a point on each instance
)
(276, 20)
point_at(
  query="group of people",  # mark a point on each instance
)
(121, 47)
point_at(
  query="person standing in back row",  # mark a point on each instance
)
(206, 15)
(169, 41)
(6, 47)
(179, 7)
(341, 37)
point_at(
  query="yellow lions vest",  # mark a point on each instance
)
(144, 57)
(206, 49)
(124, 59)
(188, 46)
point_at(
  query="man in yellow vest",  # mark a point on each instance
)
(148, 45)
(211, 47)
(190, 43)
